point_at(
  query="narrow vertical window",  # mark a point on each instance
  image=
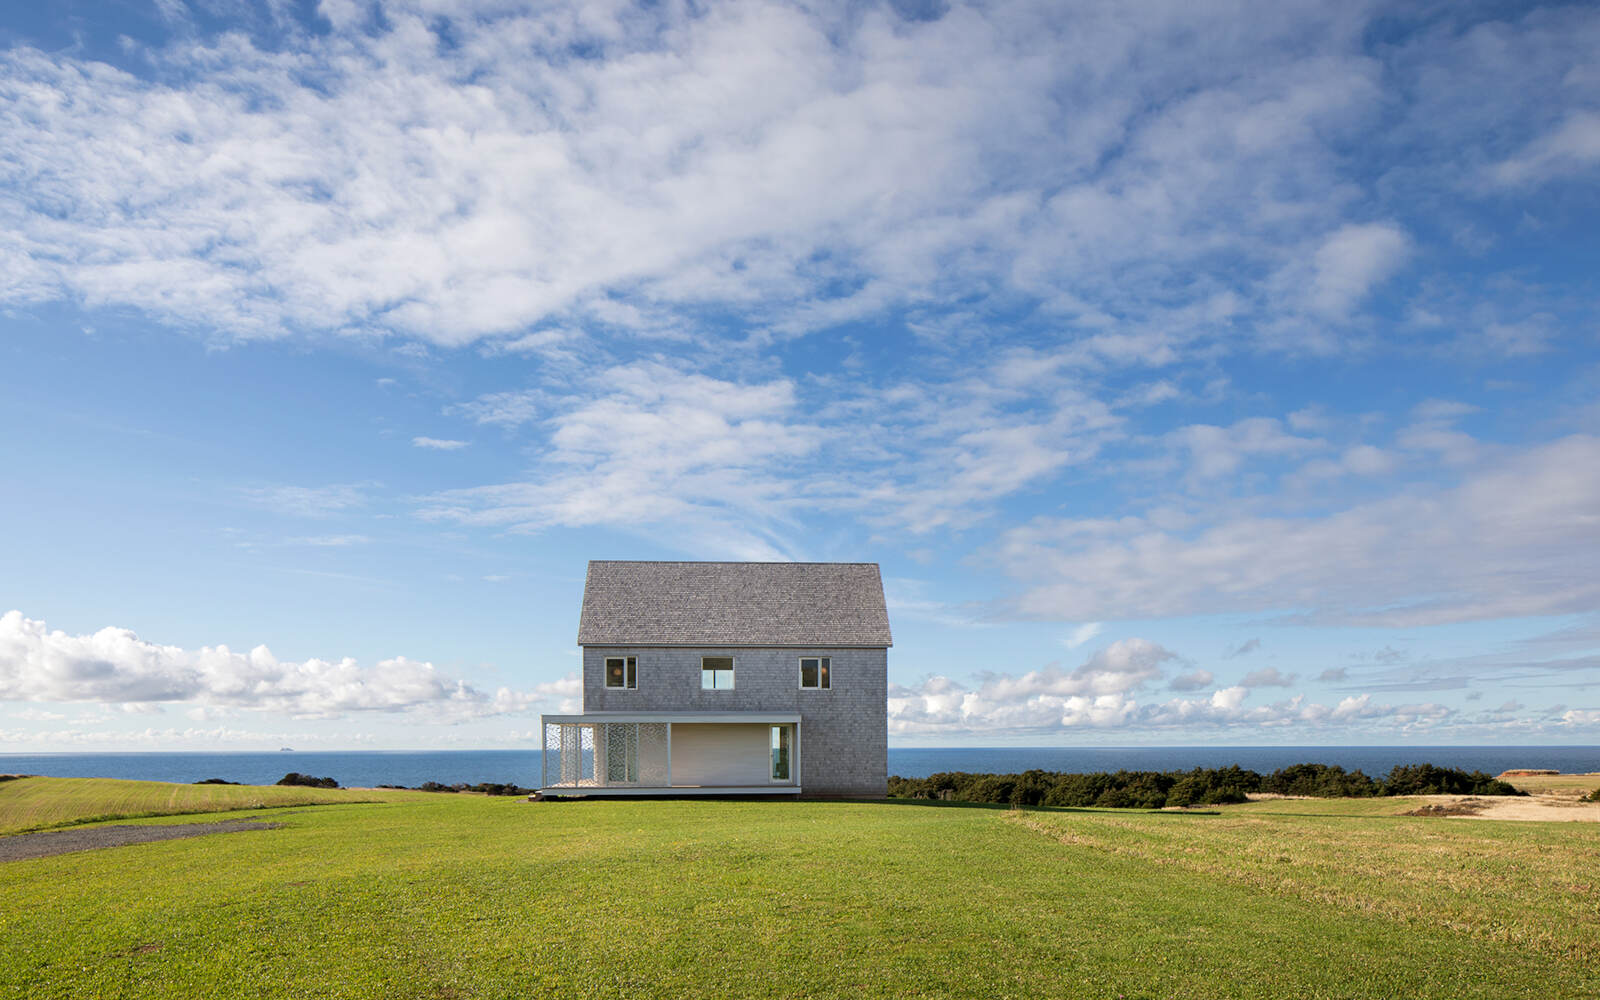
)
(622, 672)
(781, 736)
(716, 673)
(815, 672)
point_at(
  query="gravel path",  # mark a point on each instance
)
(23, 846)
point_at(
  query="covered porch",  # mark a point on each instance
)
(671, 753)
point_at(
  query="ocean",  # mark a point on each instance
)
(365, 768)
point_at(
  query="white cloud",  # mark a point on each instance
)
(799, 166)
(1052, 702)
(1572, 147)
(1267, 677)
(329, 541)
(1195, 680)
(115, 666)
(308, 501)
(1082, 634)
(735, 463)
(1352, 261)
(1515, 537)
(438, 444)
(652, 445)
(1221, 451)
(1357, 460)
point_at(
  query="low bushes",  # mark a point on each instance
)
(1201, 786)
(482, 788)
(306, 780)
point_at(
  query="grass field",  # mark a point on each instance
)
(43, 803)
(1557, 784)
(456, 896)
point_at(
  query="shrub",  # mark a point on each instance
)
(296, 778)
(1593, 796)
(218, 781)
(497, 788)
(1201, 786)
(482, 787)
(1427, 779)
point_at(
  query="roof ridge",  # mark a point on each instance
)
(730, 562)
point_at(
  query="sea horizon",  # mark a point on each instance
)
(366, 768)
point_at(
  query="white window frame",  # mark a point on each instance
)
(630, 673)
(733, 673)
(800, 673)
(790, 780)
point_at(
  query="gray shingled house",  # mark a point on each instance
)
(727, 678)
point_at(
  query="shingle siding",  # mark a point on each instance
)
(843, 730)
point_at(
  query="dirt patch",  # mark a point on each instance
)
(1455, 807)
(1523, 808)
(1527, 772)
(25, 846)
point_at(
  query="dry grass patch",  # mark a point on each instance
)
(1510, 883)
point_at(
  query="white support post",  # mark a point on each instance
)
(669, 755)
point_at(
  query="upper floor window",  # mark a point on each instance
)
(622, 671)
(815, 671)
(716, 673)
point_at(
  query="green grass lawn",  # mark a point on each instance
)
(43, 803)
(456, 896)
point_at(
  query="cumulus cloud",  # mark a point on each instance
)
(1195, 680)
(1514, 537)
(1053, 702)
(115, 666)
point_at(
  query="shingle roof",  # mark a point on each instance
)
(733, 604)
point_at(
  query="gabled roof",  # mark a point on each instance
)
(733, 604)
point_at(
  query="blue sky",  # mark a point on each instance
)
(1197, 373)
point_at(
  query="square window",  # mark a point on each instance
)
(815, 672)
(622, 672)
(716, 673)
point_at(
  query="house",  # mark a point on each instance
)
(727, 678)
